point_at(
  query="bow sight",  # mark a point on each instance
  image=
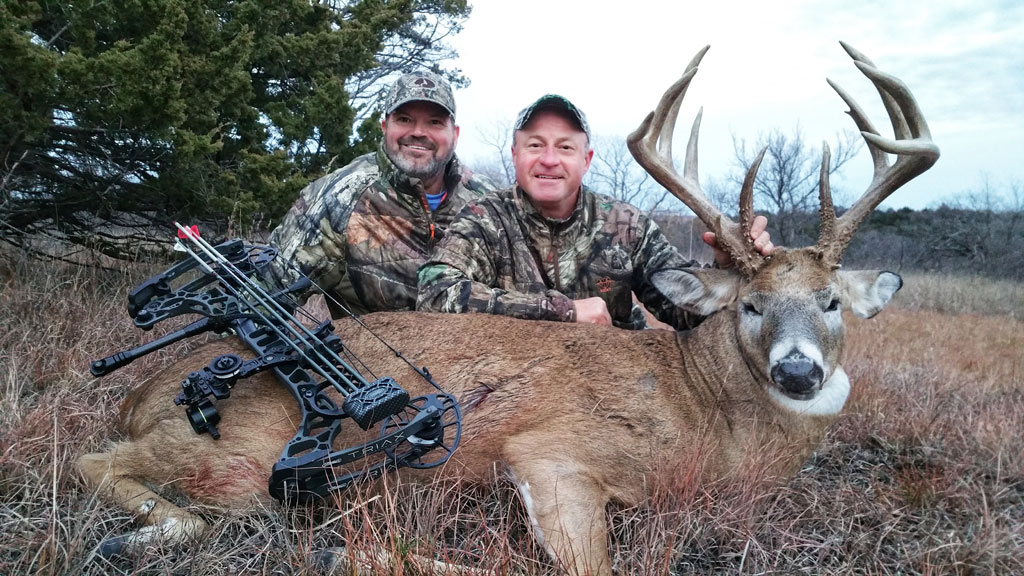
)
(224, 291)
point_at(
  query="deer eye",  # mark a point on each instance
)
(750, 308)
(833, 305)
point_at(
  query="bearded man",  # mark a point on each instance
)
(361, 232)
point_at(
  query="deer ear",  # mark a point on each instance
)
(866, 292)
(702, 291)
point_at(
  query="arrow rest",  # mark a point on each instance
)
(226, 292)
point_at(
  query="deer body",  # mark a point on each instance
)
(578, 415)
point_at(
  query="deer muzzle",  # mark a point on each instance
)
(797, 375)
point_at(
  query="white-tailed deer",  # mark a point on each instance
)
(578, 415)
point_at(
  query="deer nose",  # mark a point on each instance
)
(797, 373)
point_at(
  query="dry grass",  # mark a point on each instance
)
(924, 474)
(957, 295)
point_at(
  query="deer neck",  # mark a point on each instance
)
(724, 383)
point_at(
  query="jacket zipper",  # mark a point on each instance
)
(554, 259)
(430, 218)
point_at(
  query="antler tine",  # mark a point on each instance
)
(892, 107)
(669, 122)
(912, 144)
(749, 259)
(667, 112)
(651, 146)
(826, 209)
(878, 157)
(747, 192)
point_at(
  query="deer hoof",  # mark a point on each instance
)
(329, 560)
(114, 547)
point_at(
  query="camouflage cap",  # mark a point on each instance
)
(424, 86)
(553, 101)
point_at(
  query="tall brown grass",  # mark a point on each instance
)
(924, 473)
(957, 295)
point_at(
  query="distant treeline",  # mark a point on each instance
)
(943, 240)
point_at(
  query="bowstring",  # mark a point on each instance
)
(355, 317)
(256, 292)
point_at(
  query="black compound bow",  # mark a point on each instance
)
(228, 297)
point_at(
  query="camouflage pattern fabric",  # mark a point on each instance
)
(501, 256)
(420, 86)
(361, 232)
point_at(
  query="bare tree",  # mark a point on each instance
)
(978, 231)
(983, 225)
(787, 184)
(498, 137)
(722, 191)
(614, 172)
(492, 170)
(421, 43)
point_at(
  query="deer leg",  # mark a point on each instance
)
(567, 510)
(161, 518)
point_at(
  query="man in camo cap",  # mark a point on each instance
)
(361, 232)
(550, 249)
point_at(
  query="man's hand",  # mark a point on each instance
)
(758, 232)
(592, 311)
(652, 321)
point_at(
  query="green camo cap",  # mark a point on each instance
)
(425, 86)
(553, 101)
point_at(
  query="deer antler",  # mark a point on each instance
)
(651, 145)
(912, 146)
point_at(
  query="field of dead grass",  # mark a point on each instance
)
(923, 474)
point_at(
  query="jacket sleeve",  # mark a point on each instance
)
(462, 275)
(306, 242)
(655, 253)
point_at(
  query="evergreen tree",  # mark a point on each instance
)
(119, 114)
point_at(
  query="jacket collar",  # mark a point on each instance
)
(580, 214)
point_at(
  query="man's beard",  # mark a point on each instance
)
(413, 168)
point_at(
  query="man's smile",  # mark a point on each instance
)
(417, 145)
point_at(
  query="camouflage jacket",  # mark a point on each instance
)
(501, 256)
(361, 232)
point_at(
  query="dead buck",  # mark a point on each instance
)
(578, 415)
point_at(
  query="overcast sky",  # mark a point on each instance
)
(964, 61)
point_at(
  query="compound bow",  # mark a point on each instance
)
(228, 297)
